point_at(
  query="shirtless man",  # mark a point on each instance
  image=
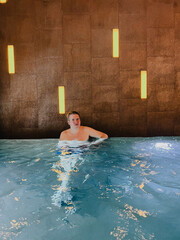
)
(78, 132)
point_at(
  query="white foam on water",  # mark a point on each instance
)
(76, 143)
(64, 168)
(70, 154)
(86, 178)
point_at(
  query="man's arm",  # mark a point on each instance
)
(96, 134)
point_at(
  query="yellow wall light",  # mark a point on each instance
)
(11, 63)
(3, 1)
(115, 43)
(143, 84)
(61, 94)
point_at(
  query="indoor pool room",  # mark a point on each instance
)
(89, 119)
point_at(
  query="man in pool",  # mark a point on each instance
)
(78, 132)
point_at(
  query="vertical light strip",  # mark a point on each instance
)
(11, 64)
(115, 43)
(3, 1)
(143, 84)
(61, 94)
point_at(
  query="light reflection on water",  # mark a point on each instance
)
(123, 188)
(71, 157)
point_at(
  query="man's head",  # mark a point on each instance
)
(72, 112)
(73, 119)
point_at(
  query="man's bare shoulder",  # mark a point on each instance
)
(64, 134)
(65, 131)
(88, 130)
(85, 128)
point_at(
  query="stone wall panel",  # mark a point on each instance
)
(53, 14)
(177, 105)
(160, 123)
(78, 85)
(76, 29)
(161, 97)
(177, 55)
(77, 57)
(6, 119)
(160, 42)
(48, 111)
(3, 31)
(25, 66)
(177, 26)
(23, 8)
(39, 14)
(51, 67)
(105, 98)
(132, 112)
(133, 131)
(11, 29)
(132, 27)
(24, 29)
(23, 88)
(75, 6)
(132, 6)
(160, 70)
(129, 84)
(105, 71)
(101, 8)
(133, 56)
(24, 52)
(177, 6)
(48, 43)
(160, 13)
(25, 114)
(104, 121)
(4, 80)
(101, 42)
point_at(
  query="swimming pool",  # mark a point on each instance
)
(122, 188)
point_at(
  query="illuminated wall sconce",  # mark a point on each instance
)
(61, 94)
(3, 1)
(115, 43)
(11, 63)
(143, 84)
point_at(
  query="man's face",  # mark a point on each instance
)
(74, 121)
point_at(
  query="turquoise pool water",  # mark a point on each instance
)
(122, 188)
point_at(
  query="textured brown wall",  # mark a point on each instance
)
(69, 42)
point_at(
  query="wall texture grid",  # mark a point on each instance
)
(69, 43)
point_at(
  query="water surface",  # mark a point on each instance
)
(122, 188)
